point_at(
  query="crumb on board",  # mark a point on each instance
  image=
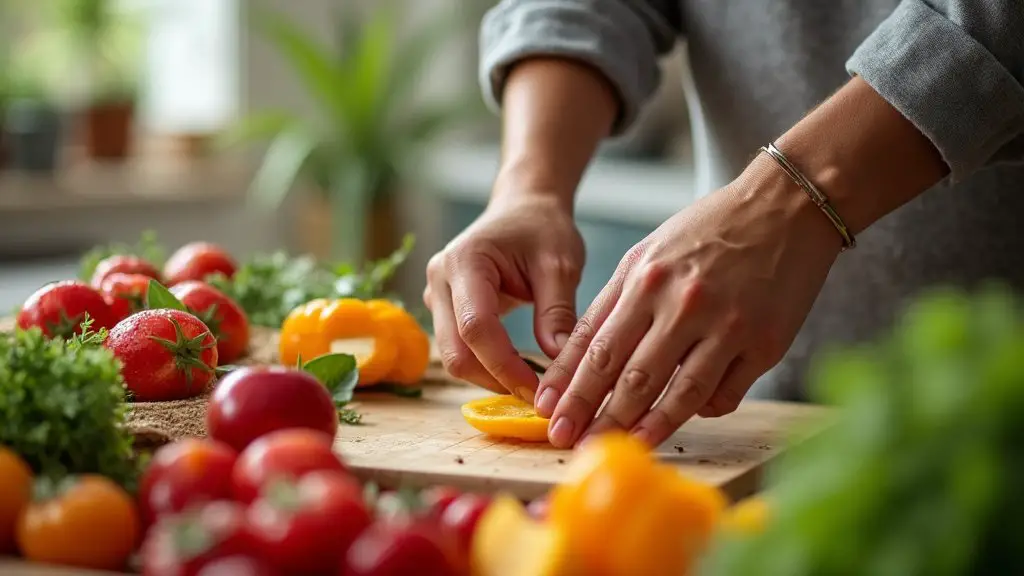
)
(704, 461)
(459, 460)
(679, 448)
(561, 460)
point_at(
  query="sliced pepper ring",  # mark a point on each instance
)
(506, 417)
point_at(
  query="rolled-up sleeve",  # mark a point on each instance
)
(955, 68)
(620, 38)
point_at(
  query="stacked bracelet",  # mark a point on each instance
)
(819, 199)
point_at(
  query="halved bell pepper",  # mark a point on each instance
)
(387, 342)
(626, 513)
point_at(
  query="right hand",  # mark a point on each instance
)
(523, 248)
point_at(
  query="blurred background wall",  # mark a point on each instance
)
(187, 71)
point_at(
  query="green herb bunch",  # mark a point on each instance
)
(922, 472)
(148, 248)
(62, 405)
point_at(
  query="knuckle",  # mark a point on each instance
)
(558, 266)
(693, 296)
(561, 312)
(459, 365)
(580, 400)
(726, 401)
(637, 384)
(689, 390)
(632, 257)
(435, 266)
(651, 275)
(584, 330)
(471, 327)
(735, 324)
(599, 357)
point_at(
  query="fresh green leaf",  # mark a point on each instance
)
(258, 126)
(159, 297)
(281, 167)
(338, 372)
(87, 336)
(225, 369)
(349, 417)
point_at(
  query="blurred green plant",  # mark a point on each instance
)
(370, 125)
(922, 473)
(94, 46)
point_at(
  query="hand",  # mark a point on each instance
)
(522, 248)
(699, 310)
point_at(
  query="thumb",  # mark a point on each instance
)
(554, 314)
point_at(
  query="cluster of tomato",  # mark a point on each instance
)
(166, 354)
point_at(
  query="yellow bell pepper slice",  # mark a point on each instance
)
(507, 542)
(341, 325)
(506, 417)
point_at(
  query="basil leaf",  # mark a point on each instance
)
(337, 372)
(159, 297)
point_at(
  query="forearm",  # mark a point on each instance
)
(863, 154)
(555, 113)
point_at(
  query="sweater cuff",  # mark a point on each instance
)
(956, 92)
(605, 34)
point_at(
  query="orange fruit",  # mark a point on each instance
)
(411, 339)
(506, 417)
(15, 495)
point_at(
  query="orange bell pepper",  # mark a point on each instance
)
(387, 342)
(627, 514)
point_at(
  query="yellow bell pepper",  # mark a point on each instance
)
(387, 342)
(747, 517)
(508, 542)
(627, 514)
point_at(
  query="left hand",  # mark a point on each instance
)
(699, 310)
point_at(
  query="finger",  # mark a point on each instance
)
(457, 358)
(691, 387)
(476, 310)
(644, 378)
(737, 381)
(554, 302)
(559, 374)
(601, 366)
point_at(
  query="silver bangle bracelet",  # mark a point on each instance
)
(816, 196)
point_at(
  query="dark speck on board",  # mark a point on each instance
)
(679, 448)
(459, 460)
(561, 460)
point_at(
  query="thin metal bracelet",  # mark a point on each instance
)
(819, 199)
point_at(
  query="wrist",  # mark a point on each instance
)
(535, 181)
(862, 154)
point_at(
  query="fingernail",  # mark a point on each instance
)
(560, 339)
(643, 435)
(525, 394)
(561, 432)
(547, 402)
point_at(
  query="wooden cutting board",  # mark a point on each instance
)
(425, 441)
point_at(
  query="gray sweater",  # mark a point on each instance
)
(955, 68)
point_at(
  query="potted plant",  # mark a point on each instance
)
(32, 125)
(370, 127)
(103, 42)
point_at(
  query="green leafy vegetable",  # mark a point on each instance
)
(268, 287)
(62, 406)
(350, 417)
(159, 297)
(921, 473)
(338, 372)
(148, 248)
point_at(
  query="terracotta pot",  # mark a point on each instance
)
(107, 130)
(315, 228)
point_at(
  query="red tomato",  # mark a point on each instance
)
(250, 402)
(461, 517)
(59, 308)
(438, 498)
(165, 354)
(196, 261)
(282, 454)
(185, 473)
(306, 526)
(237, 566)
(400, 548)
(183, 544)
(122, 265)
(220, 313)
(125, 293)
